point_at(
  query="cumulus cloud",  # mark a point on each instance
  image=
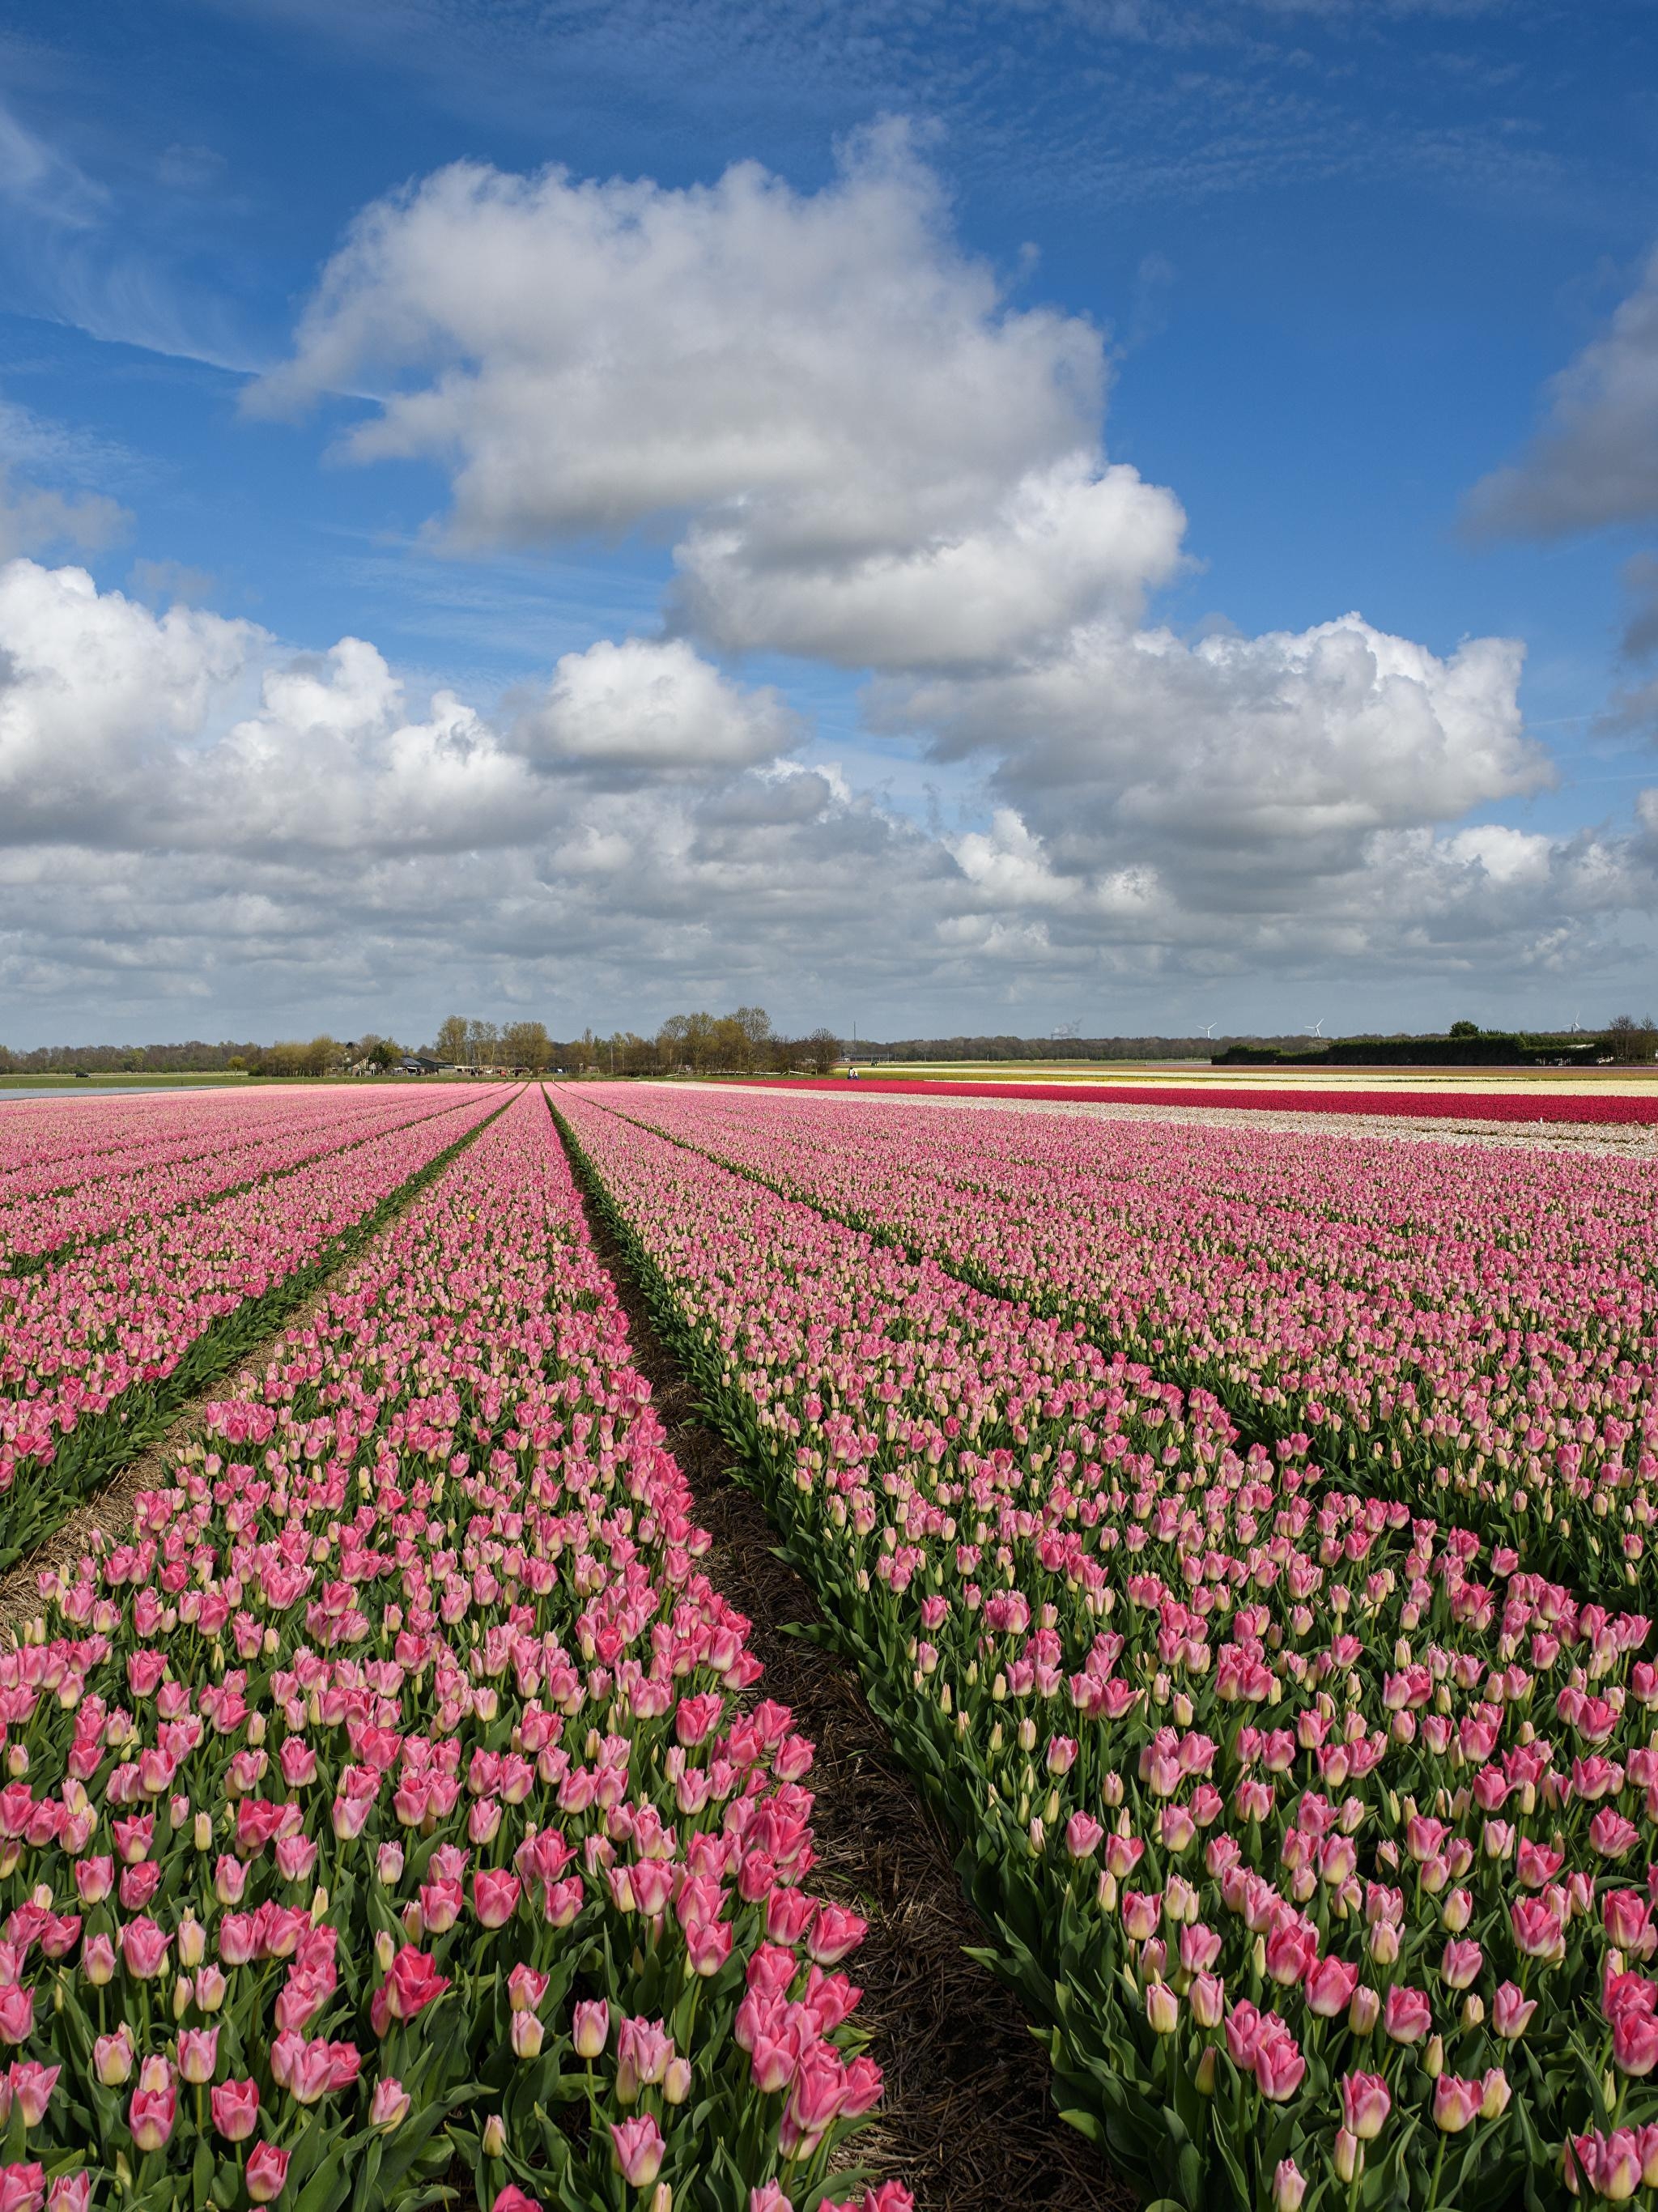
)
(1064, 543)
(876, 459)
(1289, 743)
(93, 687)
(192, 811)
(119, 725)
(649, 704)
(1593, 459)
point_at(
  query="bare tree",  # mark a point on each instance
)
(1631, 1040)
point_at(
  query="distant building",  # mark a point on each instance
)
(413, 1063)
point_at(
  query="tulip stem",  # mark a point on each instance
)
(1439, 2165)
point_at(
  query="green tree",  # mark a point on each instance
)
(451, 1047)
(526, 1044)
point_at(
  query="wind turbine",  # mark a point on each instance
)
(1317, 1030)
(1210, 1030)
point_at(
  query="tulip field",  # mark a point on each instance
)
(390, 1816)
(1245, 1538)
(99, 1343)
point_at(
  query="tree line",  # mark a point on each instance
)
(744, 1042)
(740, 1043)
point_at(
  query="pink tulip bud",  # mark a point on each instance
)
(592, 2026)
(1162, 2008)
(1511, 2012)
(1288, 2186)
(389, 2106)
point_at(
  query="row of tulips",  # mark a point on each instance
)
(97, 1352)
(45, 1142)
(211, 1157)
(390, 1802)
(1473, 1331)
(1626, 1104)
(1317, 1835)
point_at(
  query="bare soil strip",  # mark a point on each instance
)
(967, 2120)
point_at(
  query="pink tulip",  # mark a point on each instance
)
(31, 2086)
(22, 2187)
(1329, 1988)
(1405, 2014)
(235, 2109)
(1279, 2067)
(638, 2148)
(833, 1934)
(1365, 2105)
(198, 2054)
(494, 1896)
(265, 2175)
(143, 1948)
(151, 2115)
(1456, 2103)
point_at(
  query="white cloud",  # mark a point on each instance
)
(1064, 544)
(1297, 742)
(93, 686)
(878, 460)
(1595, 457)
(649, 704)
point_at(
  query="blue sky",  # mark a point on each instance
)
(737, 706)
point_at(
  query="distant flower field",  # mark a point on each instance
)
(1246, 1538)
